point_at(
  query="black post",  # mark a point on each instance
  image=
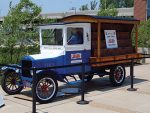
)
(82, 101)
(34, 91)
(132, 76)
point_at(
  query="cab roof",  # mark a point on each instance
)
(101, 19)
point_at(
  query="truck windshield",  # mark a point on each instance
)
(52, 37)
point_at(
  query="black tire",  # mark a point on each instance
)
(117, 75)
(11, 83)
(46, 88)
(87, 77)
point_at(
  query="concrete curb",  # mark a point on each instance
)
(1, 101)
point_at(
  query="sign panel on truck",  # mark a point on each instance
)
(111, 39)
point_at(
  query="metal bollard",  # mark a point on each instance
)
(34, 91)
(83, 101)
(132, 75)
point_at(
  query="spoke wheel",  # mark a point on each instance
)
(117, 76)
(46, 89)
(12, 83)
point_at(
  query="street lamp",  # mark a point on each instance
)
(74, 8)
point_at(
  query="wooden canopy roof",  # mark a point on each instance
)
(99, 19)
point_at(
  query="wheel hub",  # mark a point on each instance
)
(13, 82)
(117, 75)
(44, 88)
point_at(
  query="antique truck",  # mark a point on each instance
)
(76, 39)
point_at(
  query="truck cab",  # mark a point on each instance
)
(67, 43)
(61, 44)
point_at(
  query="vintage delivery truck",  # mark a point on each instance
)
(76, 39)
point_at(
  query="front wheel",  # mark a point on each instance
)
(11, 83)
(117, 75)
(46, 88)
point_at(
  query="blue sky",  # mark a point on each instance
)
(48, 6)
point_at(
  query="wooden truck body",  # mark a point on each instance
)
(123, 28)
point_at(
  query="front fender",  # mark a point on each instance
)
(5, 69)
(51, 73)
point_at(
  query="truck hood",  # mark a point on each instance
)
(46, 59)
(44, 55)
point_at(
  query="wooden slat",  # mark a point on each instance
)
(99, 40)
(84, 18)
(121, 43)
(118, 21)
(117, 51)
(79, 19)
(124, 59)
(123, 35)
(136, 38)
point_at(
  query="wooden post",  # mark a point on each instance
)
(136, 37)
(99, 40)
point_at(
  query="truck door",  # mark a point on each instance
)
(78, 46)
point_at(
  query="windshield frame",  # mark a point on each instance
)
(51, 27)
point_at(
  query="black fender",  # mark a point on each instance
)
(6, 69)
(51, 73)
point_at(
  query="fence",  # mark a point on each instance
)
(82, 101)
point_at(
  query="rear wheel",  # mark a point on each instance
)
(87, 77)
(11, 83)
(46, 88)
(117, 75)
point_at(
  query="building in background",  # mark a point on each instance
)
(124, 12)
(142, 9)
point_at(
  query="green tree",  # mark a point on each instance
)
(144, 34)
(124, 3)
(93, 6)
(107, 8)
(117, 3)
(18, 26)
(84, 7)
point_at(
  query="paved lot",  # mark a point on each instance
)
(102, 96)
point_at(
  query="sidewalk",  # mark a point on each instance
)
(102, 96)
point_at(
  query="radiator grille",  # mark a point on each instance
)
(26, 64)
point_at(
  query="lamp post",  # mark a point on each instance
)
(75, 10)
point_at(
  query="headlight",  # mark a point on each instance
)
(17, 70)
(3, 68)
(31, 72)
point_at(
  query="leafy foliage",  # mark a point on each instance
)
(93, 6)
(84, 7)
(117, 3)
(18, 26)
(110, 11)
(144, 34)
(107, 8)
